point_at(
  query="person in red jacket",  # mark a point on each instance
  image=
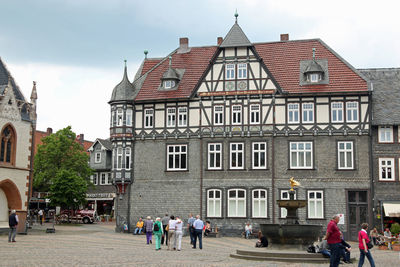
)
(334, 241)
(363, 239)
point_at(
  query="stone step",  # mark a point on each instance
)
(291, 254)
(282, 259)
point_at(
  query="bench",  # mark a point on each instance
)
(253, 235)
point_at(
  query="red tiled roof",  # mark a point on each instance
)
(281, 58)
(283, 61)
(194, 62)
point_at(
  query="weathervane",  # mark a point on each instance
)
(236, 16)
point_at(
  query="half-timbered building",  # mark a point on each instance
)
(218, 130)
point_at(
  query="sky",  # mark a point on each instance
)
(75, 49)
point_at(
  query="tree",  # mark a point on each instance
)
(61, 168)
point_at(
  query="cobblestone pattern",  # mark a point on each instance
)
(99, 245)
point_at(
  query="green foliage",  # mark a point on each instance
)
(68, 190)
(59, 154)
(395, 229)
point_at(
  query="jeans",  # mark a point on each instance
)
(157, 240)
(165, 236)
(12, 233)
(148, 237)
(335, 254)
(191, 232)
(178, 239)
(198, 234)
(248, 232)
(369, 257)
(138, 231)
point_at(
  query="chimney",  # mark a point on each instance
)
(285, 37)
(183, 45)
(49, 131)
(219, 40)
(81, 138)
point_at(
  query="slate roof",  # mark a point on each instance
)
(281, 58)
(124, 90)
(4, 74)
(235, 38)
(106, 143)
(385, 95)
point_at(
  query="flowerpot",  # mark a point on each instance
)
(383, 247)
(396, 247)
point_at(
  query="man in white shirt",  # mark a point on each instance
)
(40, 213)
(171, 231)
(178, 233)
(198, 226)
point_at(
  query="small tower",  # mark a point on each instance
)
(121, 137)
(33, 103)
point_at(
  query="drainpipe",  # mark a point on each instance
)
(201, 166)
(273, 158)
(372, 197)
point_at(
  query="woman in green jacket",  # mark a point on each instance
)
(158, 232)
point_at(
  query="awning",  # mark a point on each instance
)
(391, 209)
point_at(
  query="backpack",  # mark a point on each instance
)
(156, 227)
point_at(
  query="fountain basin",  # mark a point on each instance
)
(296, 236)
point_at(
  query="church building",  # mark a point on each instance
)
(218, 131)
(17, 127)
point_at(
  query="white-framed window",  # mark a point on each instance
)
(182, 116)
(254, 114)
(352, 111)
(285, 196)
(129, 117)
(337, 111)
(314, 77)
(345, 155)
(218, 115)
(97, 157)
(119, 158)
(176, 157)
(308, 112)
(171, 117)
(259, 155)
(214, 202)
(242, 71)
(214, 156)
(94, 179)
(236, 203)
(113, 118)
(169, 84)
(236, 155)
(293, 113)
(236, 114)
(260, 201)
(385, 134)
(230, 71)
(148, 118)
(120, 116)
(301, 155)
(109, 178)
(386, 169)
(315, 204)
(128, 158)
(103, 178)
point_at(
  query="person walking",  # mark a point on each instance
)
(158, 232)
(198, 226)
(363, 240)
(40, 213)
(12, 222)
(149, 229)
(190, 227)
(178, 233)
(165, 221)
(334, 241)
(171, 231)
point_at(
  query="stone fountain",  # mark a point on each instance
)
(291, 234)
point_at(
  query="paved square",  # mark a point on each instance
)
(99, 245)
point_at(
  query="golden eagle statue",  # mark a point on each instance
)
(293, 183)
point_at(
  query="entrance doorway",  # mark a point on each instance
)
(357, 212)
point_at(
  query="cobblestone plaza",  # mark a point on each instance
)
(99, 245)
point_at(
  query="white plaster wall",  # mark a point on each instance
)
(3, 206)
(138, 119)
(19, 178)
(193, 117)
(364, 108)
(229, 52)
(242, 52)
(159, 118)
(255, 67)
(280, 114)
(322, 114)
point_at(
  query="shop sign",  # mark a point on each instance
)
(100, 195)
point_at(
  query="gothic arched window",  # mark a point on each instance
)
(7, 146)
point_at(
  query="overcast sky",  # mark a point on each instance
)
(75, 49)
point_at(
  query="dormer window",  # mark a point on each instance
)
(169, 84)
(313, 77)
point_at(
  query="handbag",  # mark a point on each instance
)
(370, 245)
(167, 228)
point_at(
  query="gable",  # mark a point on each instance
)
(237, 71)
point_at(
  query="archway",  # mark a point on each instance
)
(3, 208)
(12, 193)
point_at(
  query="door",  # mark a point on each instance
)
(358, 212)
